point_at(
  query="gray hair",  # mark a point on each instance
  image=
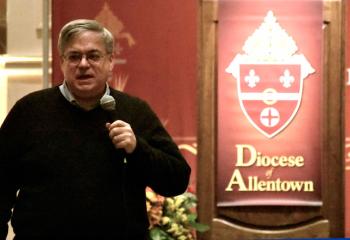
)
(76, 27)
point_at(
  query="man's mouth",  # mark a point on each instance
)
(84, 76)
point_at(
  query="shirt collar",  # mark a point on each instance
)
(70, 98)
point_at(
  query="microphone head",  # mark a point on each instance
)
(107, 103)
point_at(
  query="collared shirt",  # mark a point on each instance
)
(70, 98)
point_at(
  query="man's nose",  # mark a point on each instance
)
(84, 62)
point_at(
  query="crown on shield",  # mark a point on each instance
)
(270, 43)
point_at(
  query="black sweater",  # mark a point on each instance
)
(72, 180)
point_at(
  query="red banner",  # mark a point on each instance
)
(269, 103)
(347, 125)
(156, 49)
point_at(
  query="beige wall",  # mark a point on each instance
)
(20, 68)
(23, 27)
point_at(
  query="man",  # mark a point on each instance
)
(82, 170)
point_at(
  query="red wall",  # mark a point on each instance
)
(156, 57)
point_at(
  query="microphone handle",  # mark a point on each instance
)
(112, 115)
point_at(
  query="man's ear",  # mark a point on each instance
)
(112, 61)
(61, 62)
(61, 59)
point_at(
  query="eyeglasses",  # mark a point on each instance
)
(75, 58)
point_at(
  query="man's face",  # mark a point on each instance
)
(86, 66)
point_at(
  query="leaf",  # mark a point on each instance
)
(158, 234)
(192, 217)
(199, 226)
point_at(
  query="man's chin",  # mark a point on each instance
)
(88, 90)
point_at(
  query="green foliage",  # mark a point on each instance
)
(173, 218)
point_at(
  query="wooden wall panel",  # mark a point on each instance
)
(273, 221)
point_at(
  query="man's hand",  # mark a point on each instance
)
(122, 135)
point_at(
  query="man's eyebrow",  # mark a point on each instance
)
(89, 51)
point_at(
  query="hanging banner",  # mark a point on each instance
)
(156, 57)
(347, 123)
(269, 102)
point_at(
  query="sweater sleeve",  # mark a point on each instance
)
(11, 135)
(165, 169)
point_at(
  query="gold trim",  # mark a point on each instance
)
(189, 148)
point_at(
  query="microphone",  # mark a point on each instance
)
(108, 104)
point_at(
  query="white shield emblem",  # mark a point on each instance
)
(269, 95)
(270, 76)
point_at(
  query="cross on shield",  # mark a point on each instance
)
(270, 95)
